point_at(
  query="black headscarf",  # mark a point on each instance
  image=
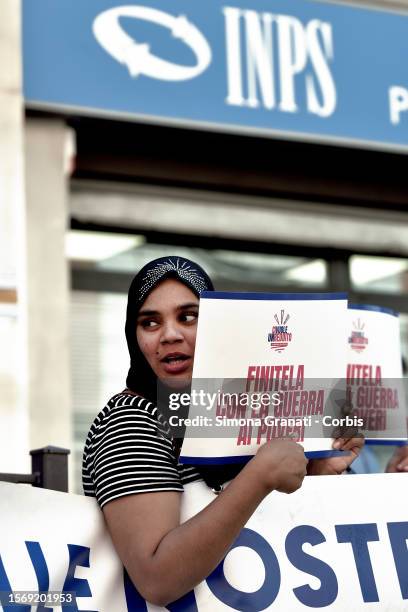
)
(141, 378)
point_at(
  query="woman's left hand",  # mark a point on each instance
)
(337, 465)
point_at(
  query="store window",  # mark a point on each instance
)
(379, 274)
(403, 318)
(241, 270)
(99, 361)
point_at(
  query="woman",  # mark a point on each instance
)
(130, 460)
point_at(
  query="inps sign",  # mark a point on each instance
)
(265, 53)
(286, 68)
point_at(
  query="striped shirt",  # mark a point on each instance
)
(129, 450)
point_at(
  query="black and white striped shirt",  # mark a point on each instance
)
(129, 450)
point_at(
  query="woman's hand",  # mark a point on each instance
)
(337, 465)
(281, 465)
(149, 539)
(399, 461)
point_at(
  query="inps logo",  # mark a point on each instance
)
(137, 57)
(280, 337)
(357, 339)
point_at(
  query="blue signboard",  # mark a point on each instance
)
(288, 68)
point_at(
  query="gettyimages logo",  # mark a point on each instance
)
(280, 337)
(357, 339)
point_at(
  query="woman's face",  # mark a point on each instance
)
(166, 330)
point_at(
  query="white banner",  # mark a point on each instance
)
(374, 373)
(278, 356)
(339, 543)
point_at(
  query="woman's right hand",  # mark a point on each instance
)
(280, 465)
(148, 537)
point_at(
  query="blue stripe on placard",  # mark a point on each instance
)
(373, 308)
(327, 454)
(233, 295)
(324, 454)
(374, 442)
(215, 460)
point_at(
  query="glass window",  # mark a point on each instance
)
(99, 361)
(379, 274)
(403, 319)
(229, 269)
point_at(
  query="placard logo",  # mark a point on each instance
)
(357, 339)
(280, 337)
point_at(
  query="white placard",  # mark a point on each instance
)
(287, 345)
(374, 373)
(350, 555)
